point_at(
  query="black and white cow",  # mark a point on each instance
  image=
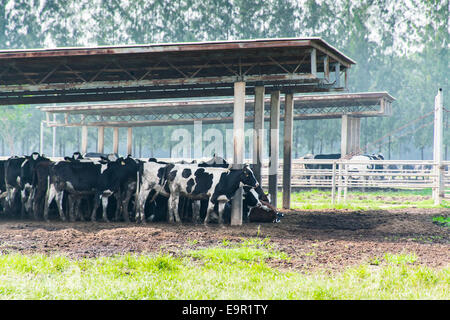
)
(28, 181)
(152, 178)
(218, 185)
(256, 207)
(355, 168)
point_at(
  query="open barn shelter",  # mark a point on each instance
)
(237, 69)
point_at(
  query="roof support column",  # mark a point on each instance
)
(116, 140)
(314, 62)
(258, 132)
(84, 139)
(100, 139)
(273, 146)
(350, 135)
(130, 141)
(238, 148)
(287, 148)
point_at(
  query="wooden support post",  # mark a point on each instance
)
(287, 149)
(41, 138)
(238, 148)
(326, 68)
(314, 62)
(345, 126)
(258, 132)
(273, 146)
(116, 140)
(54, 137)
(439, 189)
(130, 141)
(337, 72)
(333, 184)
(100, 139)
(84, 139)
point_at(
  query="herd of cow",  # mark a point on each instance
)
(358, 166)
(152, 190)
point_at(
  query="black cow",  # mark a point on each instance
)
(321, 166)
(40, 183)
(78, 178)
(118, 179)
(12, 177)
(3, 192)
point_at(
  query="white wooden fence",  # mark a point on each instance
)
(341, 175)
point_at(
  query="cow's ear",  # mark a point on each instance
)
(67, 158)
(103, 158)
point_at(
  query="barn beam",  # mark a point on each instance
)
(238, 148)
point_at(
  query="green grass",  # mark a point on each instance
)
(443, 221)
(356, 200)
(228, 271)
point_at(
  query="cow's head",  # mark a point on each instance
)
(248, 178)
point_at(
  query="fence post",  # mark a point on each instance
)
(333, 183)
(439, 189)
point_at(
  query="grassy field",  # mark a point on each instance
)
(227, 271)
(357, 200)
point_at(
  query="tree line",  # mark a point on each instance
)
(400, 47)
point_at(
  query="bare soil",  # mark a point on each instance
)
(325, 239)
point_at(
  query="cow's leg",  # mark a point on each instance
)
(97, 198)
(220, 209)
(104, 207)
(118, 205)
(125, 203)
(196, 204)
(78, 213)
(59, 202)
(23, 200)
(140, 206)
(209, 210)
(173, 207)
(71, 199)
(50, 195)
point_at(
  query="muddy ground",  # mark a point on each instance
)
(324, 239)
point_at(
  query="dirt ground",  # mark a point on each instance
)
(324, 239)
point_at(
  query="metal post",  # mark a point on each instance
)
(130, 140)
(333, 184)
(273, 146)
(345, 125)
(116, 140)
(100, 139)
(314, 62)
(439, 189)
(54, 137)
(287, 148)
(238, 148)
(41, 138)
(84, 138)
(258, 131)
